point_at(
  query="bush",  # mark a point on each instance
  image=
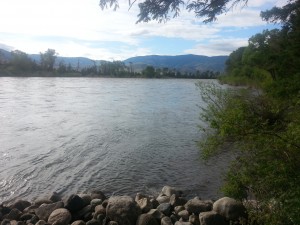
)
(264, 133)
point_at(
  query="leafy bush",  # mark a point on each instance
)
(264, 134)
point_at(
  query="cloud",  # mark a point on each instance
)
(81, 28)
(218, 47)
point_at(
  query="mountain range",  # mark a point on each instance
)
(182, 63)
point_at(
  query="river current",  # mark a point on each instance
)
(121, 136)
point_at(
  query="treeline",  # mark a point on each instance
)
(261, 124)
(22, 65)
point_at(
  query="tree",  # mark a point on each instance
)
(21, 61)
(160, 10)
(48, 59)
(149, 72)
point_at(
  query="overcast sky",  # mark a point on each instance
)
(81, 28)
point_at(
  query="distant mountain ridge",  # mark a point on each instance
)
(182, 63)
(187, 63)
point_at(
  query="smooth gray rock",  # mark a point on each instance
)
(182, 223)
(176, 200)
(122, 209)
(169, 191)
(55, 197)
(41, 222)
(95, 202)
(44, 211)
(98, 194)
(42, 200)
(20, 205)
(163, 199)
(146, 219)
(14, 214)
(184, 214)
(94, 222)
(194, 219)
(212, 218)
(112, 223)
(179, 208)
(165, 208)
(60, 217)
(5, 222)
(156, 214)
(230, 208)
(197, 206)
(166, 221)
(74, 203)
(145, 204)
(26, 216)
(86, 198)
(78, 222)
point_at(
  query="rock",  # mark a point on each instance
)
(229, 208)
(30, 209)
(5, 222)
(41, 222)
(94, 222)
(26, 216)
(154, 203)
(60, 217)
(163, 199)
(169, 191)
(212, 218)
(100, 209)
(145, 204)
(194, 219)
(197, 206)
(112, 223)
(44, 211)
(176, 200)
(95, 202)
(33, 220)
(140, 196)
(86, 198)
(55, 197)
(20, 205)
(179, 208)
(183, 223)
(14, 214)
(104, 203)
(184, 214)
(156, 214)
(122, 209)
(84, 214)
(43, 200)
(174, 218)
(166, 221)
(146, 219)
(98, 194)
(78, 222)
(165, 208)
(74, 203)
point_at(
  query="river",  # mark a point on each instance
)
(121, 136)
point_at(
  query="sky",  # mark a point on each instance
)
(79, 28)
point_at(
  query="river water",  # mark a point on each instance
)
(121, 136)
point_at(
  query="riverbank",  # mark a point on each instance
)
(95, 208)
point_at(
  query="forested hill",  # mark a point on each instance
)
(182, 63)
(189, 63)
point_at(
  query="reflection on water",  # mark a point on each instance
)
(121, 136)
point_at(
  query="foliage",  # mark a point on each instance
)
(48, 59)
(261, 124)
(161, 10)
(264, 134)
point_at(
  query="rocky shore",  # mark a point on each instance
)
(168, 208)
